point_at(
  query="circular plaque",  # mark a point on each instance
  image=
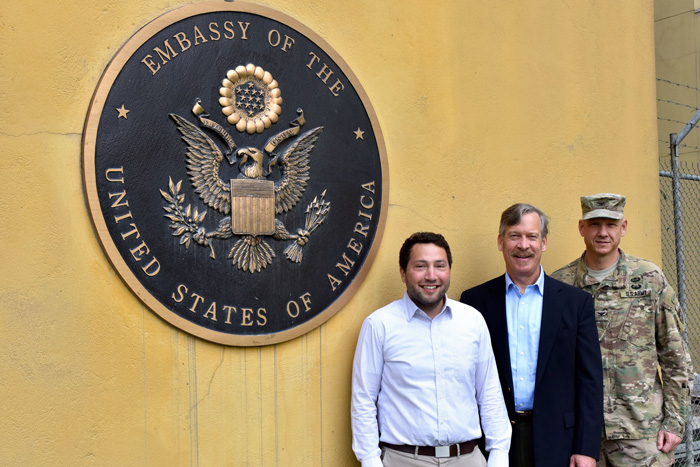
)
(235, 173)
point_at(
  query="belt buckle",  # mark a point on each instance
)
(442, 451)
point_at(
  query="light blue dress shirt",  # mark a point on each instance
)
(524, 317)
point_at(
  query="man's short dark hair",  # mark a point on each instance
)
(422, 237)
(515, 213)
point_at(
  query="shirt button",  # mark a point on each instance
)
(521, 378)
(522, 327)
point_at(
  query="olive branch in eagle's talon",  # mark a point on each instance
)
(185, 222)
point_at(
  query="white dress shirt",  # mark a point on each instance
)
(424, 382)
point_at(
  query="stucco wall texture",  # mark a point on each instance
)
(482, 104)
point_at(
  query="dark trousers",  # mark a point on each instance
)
(523, 444)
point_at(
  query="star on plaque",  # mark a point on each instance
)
(122, 112)
(359, 133)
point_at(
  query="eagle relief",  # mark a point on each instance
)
(251, 100)
(235, 215)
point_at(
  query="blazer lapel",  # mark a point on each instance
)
(499, 329)
(551, 319)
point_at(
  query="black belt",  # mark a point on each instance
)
(433, 451)
(523, 416)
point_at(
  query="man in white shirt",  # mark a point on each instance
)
(424, 380)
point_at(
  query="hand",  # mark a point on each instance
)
(579, 460)
(667, 442)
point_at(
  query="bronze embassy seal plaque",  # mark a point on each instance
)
(235, 173)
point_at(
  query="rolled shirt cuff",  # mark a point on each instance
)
(496, 459)
(377, 462)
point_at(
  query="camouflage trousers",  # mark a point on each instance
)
(629, 452)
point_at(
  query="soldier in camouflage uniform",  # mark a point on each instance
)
(640, 329)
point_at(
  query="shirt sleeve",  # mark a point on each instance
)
(497, 459)
(674, 360)
(366, 381)
(372, 462)
(489, 398)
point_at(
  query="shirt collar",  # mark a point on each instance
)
(539, 283)
(411, 309)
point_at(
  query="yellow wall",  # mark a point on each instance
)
(482, 104)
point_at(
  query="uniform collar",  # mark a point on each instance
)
(616, 279)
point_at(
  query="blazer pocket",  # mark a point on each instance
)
(569, 419)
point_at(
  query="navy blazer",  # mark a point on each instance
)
(567, 414)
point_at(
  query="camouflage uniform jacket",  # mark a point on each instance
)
(639, 326)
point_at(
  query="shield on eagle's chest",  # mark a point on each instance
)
(252, 207)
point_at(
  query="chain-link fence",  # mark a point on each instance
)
(686, 456)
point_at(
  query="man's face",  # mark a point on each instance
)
(427, 277)
(602, 235)
(522, 246)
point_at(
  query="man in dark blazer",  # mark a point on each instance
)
(546, 347)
